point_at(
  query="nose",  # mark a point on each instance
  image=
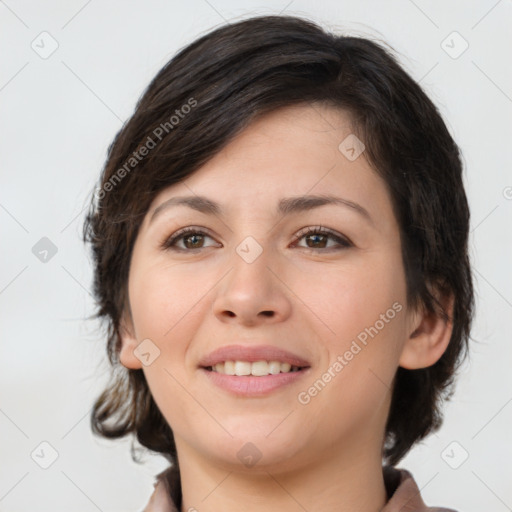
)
(252, 293)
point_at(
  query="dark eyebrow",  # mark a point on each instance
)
(200, 203)
(303, 203)
(286, 206)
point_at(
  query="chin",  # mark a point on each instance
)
(253, 451)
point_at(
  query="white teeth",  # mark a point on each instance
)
(242, 368)
(229, 367)
(274, 367)
(285, 367)
(258, 368)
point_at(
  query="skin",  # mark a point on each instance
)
(323, 455)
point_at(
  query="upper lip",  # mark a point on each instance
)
(251, 354)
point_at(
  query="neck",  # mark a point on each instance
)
(355, 483)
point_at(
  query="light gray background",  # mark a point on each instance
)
(58, 116)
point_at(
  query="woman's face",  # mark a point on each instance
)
(254, 270)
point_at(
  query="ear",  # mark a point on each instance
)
(429, 336)
(128, 344)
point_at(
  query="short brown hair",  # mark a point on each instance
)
(227, 78)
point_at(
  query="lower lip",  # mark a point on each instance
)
(251, 386)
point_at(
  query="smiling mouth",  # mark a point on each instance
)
(253, 369)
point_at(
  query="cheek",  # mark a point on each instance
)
(161, 298)
(165, 309)
(362, 311)
(347, 298)
(149, 300)
(365, 313)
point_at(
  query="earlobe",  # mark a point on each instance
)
(128, 344)
(429, 338)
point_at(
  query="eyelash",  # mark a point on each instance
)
(344, 243)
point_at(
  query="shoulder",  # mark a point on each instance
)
(404, 494)
(166, 496)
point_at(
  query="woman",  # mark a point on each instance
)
(280, 248)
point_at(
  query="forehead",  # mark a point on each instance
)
(293, 151)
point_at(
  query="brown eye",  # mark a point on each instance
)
(190, 239)
(186, 239)
(318, 238)
(195, 241)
